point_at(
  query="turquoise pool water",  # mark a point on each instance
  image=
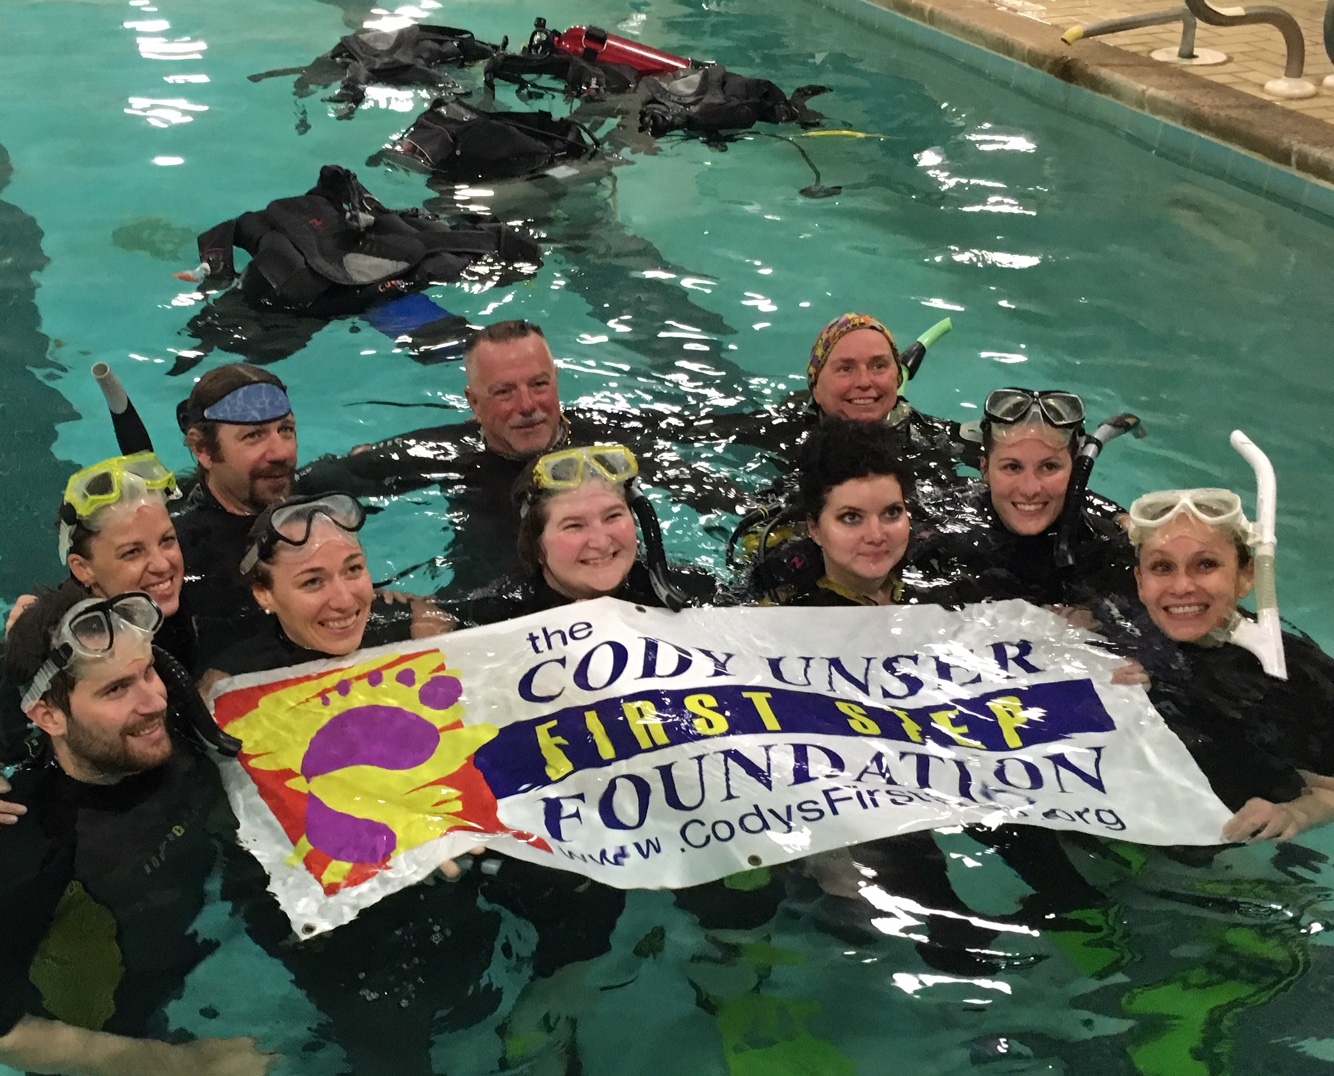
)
(1067, 255)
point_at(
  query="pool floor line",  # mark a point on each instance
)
(1279, 136)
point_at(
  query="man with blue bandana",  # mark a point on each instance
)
(238, 425)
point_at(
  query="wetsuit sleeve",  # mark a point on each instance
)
(37, 866)
(399, 465)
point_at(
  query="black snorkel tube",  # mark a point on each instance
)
(131, 433)
(196, 721)
(1075, 492)
(668, 593)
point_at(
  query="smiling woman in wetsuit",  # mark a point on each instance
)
(1194, 566)
(1003, 538)
(577, 540)
(306, 567)
(116, 537)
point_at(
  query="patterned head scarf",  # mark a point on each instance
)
(832, 333)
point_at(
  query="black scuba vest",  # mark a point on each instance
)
(335, 250)
(711, 99)
(458, 142)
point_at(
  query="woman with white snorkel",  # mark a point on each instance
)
(1225, 677)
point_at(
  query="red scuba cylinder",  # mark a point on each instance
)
(597, 46)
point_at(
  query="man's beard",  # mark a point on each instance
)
(116, 754)
(269, 487)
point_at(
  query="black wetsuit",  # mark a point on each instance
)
(270, 648)
(515, 597)
(1249, 732)
(479, 481)
(213, 542)
(978, 558)
(100, 887)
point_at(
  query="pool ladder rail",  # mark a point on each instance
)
(1291, 86)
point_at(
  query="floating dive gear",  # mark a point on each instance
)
(336, 250)
(593, 44)
(459, 143)
(709, 100)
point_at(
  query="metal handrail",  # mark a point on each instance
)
(1185, 51)
(1249, 16)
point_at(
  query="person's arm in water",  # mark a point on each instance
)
(399, 464)
(47, 1046)
(1260, 820)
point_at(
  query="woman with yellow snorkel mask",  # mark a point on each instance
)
(117, 538)
(578, 509)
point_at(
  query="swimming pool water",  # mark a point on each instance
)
(1068, 256)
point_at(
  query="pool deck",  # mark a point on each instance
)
(1226, 102)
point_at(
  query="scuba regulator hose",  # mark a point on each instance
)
(196, 721)
(668, 593)
(1076, 491)
(1263, 637)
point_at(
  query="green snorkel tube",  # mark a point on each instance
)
(911, 357)
(1263, 636)
(1075, 492)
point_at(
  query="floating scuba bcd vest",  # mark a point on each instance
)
(409, 56)
(458, 142)
(710, 100)
(336, 250)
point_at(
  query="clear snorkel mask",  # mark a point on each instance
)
(91, 631)
(1221, 508)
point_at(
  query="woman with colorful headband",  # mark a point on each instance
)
(307, 570)
(578, 540)
(1194, 564)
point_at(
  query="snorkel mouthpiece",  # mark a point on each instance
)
(1264, 637)
(914, 353)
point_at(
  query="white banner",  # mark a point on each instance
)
(650, 749)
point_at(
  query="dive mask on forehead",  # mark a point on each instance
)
(1009, 406)
(291, 524)
(250, 405)
(1219, 508)
(90, 630)
(572, 467)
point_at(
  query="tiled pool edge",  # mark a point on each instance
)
(1255, 143)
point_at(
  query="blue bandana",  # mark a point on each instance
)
(251, 405)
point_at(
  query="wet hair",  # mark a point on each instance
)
(28, 644)
(502, 332)
(534, 508)
(212, 387)
(1072, 437)
(839, 451)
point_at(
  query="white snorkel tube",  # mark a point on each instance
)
(1263, 637)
